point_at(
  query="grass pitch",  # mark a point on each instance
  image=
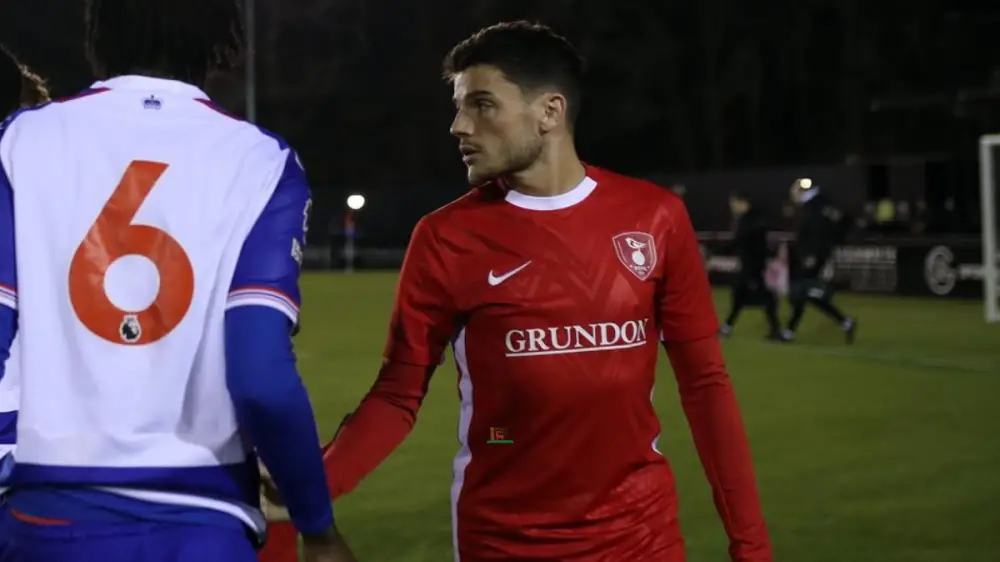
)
(884, 451)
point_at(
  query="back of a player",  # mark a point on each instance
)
(150, 249)
(148, 198)
(132, 202)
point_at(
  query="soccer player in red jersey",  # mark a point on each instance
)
(553, 281)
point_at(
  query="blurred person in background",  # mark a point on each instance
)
(158, 465)
(885, 215)
(919, 224)
(820, 229)
(554, 282)
(750, 245)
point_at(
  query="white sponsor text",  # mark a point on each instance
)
(577, 338)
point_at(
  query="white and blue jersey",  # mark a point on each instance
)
(150, 248)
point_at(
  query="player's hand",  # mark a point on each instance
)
(329, 546)
(271, 502)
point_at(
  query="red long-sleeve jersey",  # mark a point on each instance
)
(553, 307)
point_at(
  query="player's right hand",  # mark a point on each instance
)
(271, 502)
(329, 546)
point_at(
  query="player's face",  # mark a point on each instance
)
(498, 129)
(737, 206)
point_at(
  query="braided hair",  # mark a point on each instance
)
(18, 85)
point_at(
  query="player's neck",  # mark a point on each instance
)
(552, 174)
(163, 76)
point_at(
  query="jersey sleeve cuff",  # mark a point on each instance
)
(263, 296)
(8, 297)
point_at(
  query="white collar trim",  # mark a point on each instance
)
(555, 202)
(147, 83)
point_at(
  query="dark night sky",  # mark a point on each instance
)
(674, 86)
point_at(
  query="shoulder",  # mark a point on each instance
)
(820, 206)
(46, 112)
(463, 212)
(262, 139)
(644, 195)
(17, 122)
(828, 209)
(832, 213)
(640, 190)
(22, 116)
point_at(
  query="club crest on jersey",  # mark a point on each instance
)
(130, 329)
(637, 252)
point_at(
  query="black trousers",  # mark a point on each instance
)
(812, 289)
(749, 289)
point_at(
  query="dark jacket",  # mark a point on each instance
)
(818, 234)
(749, 242)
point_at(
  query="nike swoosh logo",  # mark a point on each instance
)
(494, 280)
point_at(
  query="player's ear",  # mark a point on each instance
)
(553, 111)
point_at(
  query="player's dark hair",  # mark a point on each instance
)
(18, 85)
(530, 55)
(178, 39)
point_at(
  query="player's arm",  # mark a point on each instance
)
(8, 257)
(688, 326)
(423, 322)
(272, 405)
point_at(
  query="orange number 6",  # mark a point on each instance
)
(113, 236)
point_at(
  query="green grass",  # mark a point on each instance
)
(883, 451)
